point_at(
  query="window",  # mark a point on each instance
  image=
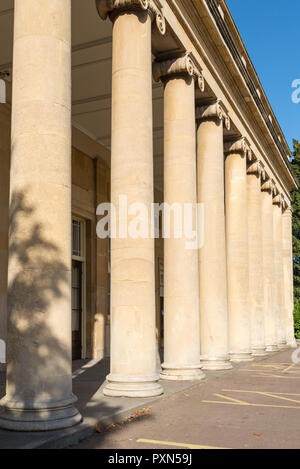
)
(77, 239)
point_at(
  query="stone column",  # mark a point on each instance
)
(212, 253)
(268, 267)
(181, 285)
(288, 275)
(237, 250)
(4, 202)
(256, 292)
(39, 375)
(278, 268)
(133, 344)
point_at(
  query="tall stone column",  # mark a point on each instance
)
(256, 292)
(278, 268)
(133, 344)
(39, 377)
(181, 285)
(4, 203)
(237, 250)
(268, 267)
(212, 253)
(288, 275)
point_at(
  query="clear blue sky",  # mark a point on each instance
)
(270, 30)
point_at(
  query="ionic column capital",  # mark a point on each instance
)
(288, 211)
(241, 146)
(114, 7)
(186, 65)
(216, 110)
(278, 200)
(268, 185)
(256, 167)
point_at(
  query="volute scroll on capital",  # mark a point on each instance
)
(185, 65)
(268, 185)
(109, 7)
(278, 200)
(256, 167)
(288, 210)
(285, 206)
(216, 110)
(240, 146)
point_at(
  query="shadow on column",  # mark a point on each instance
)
(39, 376)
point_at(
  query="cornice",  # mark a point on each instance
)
(113, 7)
(197, 22)
(216, 110)
(185, 65)
(227, 37)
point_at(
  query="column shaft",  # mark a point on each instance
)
(4, 203)
(39, 376)
(288, 276)
(237, 256)
(212, 253)
(279, 279)
(181, 288)
(256, 292)
(268, 270)
(133, 344)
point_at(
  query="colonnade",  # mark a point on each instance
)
(226, 302)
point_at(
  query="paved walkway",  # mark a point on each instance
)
(255, 405)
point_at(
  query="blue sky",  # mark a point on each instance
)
(270, 30)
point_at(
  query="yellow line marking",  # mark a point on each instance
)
(275, 366)
(274, 395)
(253, 405)
(260, 371)
(286, 370)
(262, 392)
(269, 375)
(172, 443)
(231, 399)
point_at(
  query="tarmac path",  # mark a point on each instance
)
(256, 405)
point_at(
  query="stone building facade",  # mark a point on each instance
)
(156, 100)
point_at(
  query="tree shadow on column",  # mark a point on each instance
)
(37, 356)
(38, 353)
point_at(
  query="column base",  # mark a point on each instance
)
(184, 373)
(282, 345)
(293, 344)
(259, 352)
(128, 386)
(272, 348)
(21, 417)
(238, 357)
(216, 363)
